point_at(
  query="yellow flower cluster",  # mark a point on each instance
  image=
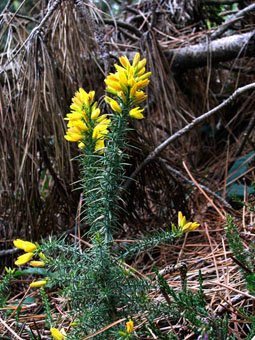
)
(84, 122)
(127, 84)
(29, 249)
(186, 227)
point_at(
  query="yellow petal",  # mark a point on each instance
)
(99, 147)
(113, 84)
(144, 76)
(23, 259)
(81, 145)
(91, 96)
(100, 119)
(179, 218)
(140, 72)
(124, 62)
(95, 113)
(141, 64)
(114, 105)
(190, 226)
(139, 96)
(25, 245)
(119, 68)
(56, 334)
(136, 59)
(37, 264)
(83, 96)
(73, 115)
(133, 90)
(79, 124)
(38, 283)
(73, 135)
(130, 326)
(142, 84)
(136, 113)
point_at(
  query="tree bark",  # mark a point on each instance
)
(224, 49)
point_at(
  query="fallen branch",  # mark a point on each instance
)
(224, 49)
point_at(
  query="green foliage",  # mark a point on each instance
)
(149, 242)
(193, 308)
(96, 285)
(46, 306)
(4, 285)
(246, 263)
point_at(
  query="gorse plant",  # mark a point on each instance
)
(96, 284)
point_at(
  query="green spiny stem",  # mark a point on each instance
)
(113, 172)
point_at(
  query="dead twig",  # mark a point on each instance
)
(186, 129)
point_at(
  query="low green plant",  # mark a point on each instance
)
(99, 291)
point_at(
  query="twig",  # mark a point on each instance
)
(245, 136)
(237, 298)
(179, 174)
(232, 20)
(186, 129)
(220, 2)
(103, 329)
(6, 6)
(10, 330)
(34, 30)
(203, 192)
(123, 24)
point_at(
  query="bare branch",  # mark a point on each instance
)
(37, 28)
(186, 129)
(123, 24)
(184, 178)
(232, 20)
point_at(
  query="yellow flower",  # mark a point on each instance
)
(56, 334)
(181, 219)
(186, 227)
(136, 59)
(24, 258)
(124, 62)
(84, 119)
(114, 105)
(37, 284)
(190, 226)
(95, 113)
(37, 264)
(25, 245)
(126, 83)
(99, 146)
(136, 113)
(139, 97)
(73, 135)
(130, 326)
